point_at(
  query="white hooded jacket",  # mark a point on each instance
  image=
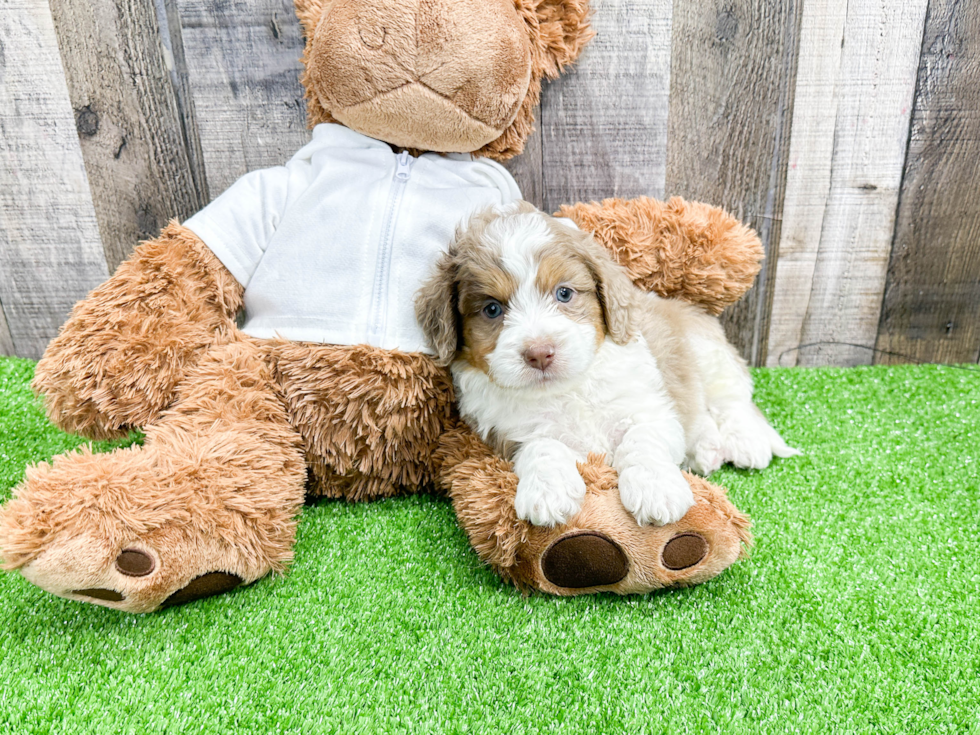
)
(332, 247)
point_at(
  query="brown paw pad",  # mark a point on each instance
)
(134, 563)
(586, 559)
(100, 594)
(207, 585)
(684, 551)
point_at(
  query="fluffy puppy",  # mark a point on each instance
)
(555, 354)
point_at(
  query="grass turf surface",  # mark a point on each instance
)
(857, 612)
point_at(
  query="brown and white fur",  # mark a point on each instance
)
(555, 354)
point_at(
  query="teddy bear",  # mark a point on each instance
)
(325, 388)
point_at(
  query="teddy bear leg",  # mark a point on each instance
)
(602, 548)
(119, 359)
(209, 502)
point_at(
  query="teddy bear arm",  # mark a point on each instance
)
(117, 361)
(678, 249)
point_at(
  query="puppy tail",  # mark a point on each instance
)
(779, 447)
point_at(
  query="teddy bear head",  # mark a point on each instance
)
(437, 75)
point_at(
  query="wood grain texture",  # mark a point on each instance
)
(876, 80)
(243, 65)
(811, 153)
(127, 117)
(931, 307)
(528, 168)
(50, 250)
(171, 37)
(6, 341)
(732, 82)
(604, 123)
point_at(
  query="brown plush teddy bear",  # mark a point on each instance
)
(325, 389)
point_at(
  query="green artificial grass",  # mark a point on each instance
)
(857, 612)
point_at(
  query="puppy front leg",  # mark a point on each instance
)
(651, 485)
(550, 489)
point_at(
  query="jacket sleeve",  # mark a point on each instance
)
(238, 225)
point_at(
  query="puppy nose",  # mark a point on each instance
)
(539, 356)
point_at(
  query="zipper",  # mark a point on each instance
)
(403, 171)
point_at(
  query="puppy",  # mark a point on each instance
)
(555, 354)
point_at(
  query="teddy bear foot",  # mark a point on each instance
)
(183, 517)
(581, 559)
(603, 548)
(163, 569)
(209, 502)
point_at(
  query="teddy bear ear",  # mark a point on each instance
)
(559, 31)
(309, 13)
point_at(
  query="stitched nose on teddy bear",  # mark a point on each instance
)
(440, 75)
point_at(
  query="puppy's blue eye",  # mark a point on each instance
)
(492, 310)
(564, 294)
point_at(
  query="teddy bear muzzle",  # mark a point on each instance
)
(439, 75)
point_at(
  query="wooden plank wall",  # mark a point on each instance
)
(604, 127)
(931, 308)
(243, 66)
(732, 72)
(50, 250)
(129, 123)
(834, 299)
(845, 131)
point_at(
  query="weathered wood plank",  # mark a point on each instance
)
(811, 153)
(931, 307)
(171, 36)
(6, 341)
(50, 250)
(604, 123)
(528, 168)
(875, 84)
(732, 76)
(243, 65)
(128, 122)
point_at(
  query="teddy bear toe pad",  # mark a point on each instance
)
(130, 563)
(135, 563)
(684, 551)
(140, 578)
(592, 559)
(207, 585)
(98, 593)
(584, 559)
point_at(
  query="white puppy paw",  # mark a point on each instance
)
(658, 496)
(707, 453)
(750, 442)
(550, 498)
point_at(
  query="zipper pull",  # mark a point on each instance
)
(404, 166)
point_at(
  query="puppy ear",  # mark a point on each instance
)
(437, 309)
(559, 31)
(616, 290)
